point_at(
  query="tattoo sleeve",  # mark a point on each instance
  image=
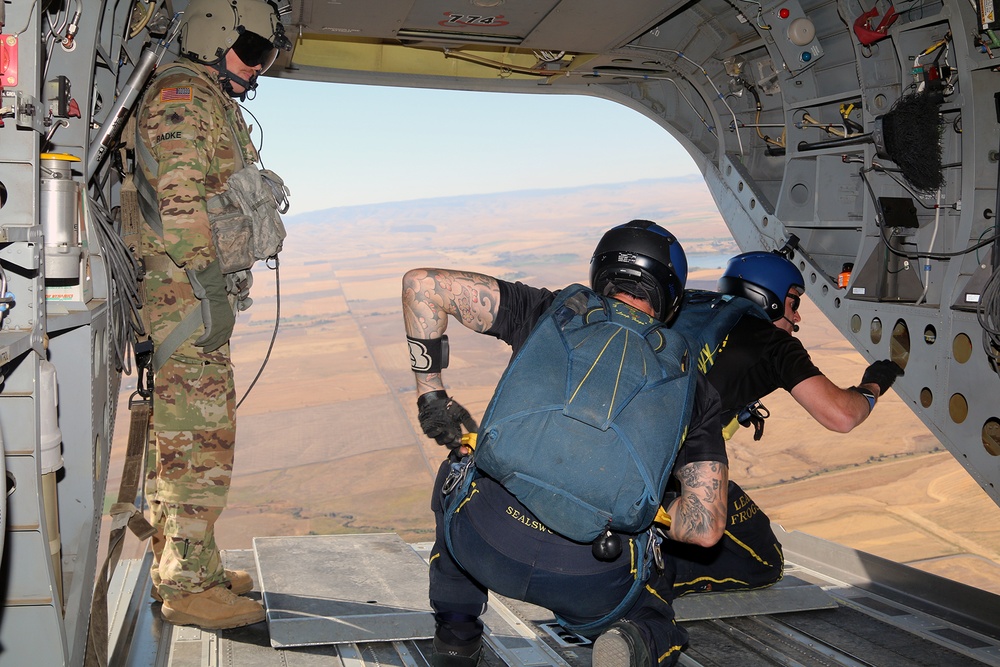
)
(699, 514)
(431, 295)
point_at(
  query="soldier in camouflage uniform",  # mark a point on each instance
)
(193, 138)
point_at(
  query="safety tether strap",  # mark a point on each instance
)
(123, 513)
(177, 335)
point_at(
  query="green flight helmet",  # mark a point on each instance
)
(210, 28)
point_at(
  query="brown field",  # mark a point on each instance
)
(329, 441)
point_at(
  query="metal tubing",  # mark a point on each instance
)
(119, 113)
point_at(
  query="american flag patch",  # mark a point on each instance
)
(175, 95)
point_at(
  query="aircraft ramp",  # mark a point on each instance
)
(835, 607)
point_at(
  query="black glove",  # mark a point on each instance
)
(883, 373)
(209, 286)
(442, 418)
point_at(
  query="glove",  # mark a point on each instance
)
(238, 284)
(883, 373)
(209, 286)
(442, 418)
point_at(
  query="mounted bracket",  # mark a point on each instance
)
(794, 36)
(28, 112)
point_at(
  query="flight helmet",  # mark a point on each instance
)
(210, 28)
(642, 259)
(763, 277)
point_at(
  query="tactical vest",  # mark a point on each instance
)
(587, 419)
(244, 217)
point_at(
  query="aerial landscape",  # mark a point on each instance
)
(329, 440)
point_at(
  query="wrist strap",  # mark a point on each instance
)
(428, 355)
(430, 396)
(867, 393)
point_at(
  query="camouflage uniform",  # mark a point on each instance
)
(188, 125)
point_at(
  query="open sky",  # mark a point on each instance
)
(342, 145)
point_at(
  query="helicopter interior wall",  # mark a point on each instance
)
(699, 69)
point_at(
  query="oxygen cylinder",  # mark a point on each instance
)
(59, 205)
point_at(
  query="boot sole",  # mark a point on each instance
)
(612, 649)
(180, 618)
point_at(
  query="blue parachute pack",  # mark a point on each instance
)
(707, 318)
(587, 419)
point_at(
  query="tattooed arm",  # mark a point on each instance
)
(431, 295)
(698, 516)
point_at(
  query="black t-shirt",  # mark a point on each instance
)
(757, 359)
(520, 307)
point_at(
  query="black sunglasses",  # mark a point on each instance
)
(796, 300)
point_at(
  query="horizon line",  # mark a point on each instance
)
(680, 178)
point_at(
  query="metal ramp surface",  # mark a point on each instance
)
(788, 595)
(340, 589)
(886, 615)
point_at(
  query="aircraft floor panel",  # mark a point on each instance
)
(750, 629)
(338, 589)
(788, 595)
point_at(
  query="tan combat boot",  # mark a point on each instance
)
(239, 582)
(218, 608)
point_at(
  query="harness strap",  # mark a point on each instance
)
(147, 196)
(646, 544)
(161, 263)
(177, 335)
(181, 331)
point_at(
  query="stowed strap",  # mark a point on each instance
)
(123, 513)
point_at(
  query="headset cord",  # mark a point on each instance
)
(274, 334)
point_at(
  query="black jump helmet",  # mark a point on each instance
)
(642, 259)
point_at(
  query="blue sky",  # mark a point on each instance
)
(343, 145)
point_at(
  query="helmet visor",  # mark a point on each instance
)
(255, 50)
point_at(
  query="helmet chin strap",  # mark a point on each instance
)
(227, 79)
